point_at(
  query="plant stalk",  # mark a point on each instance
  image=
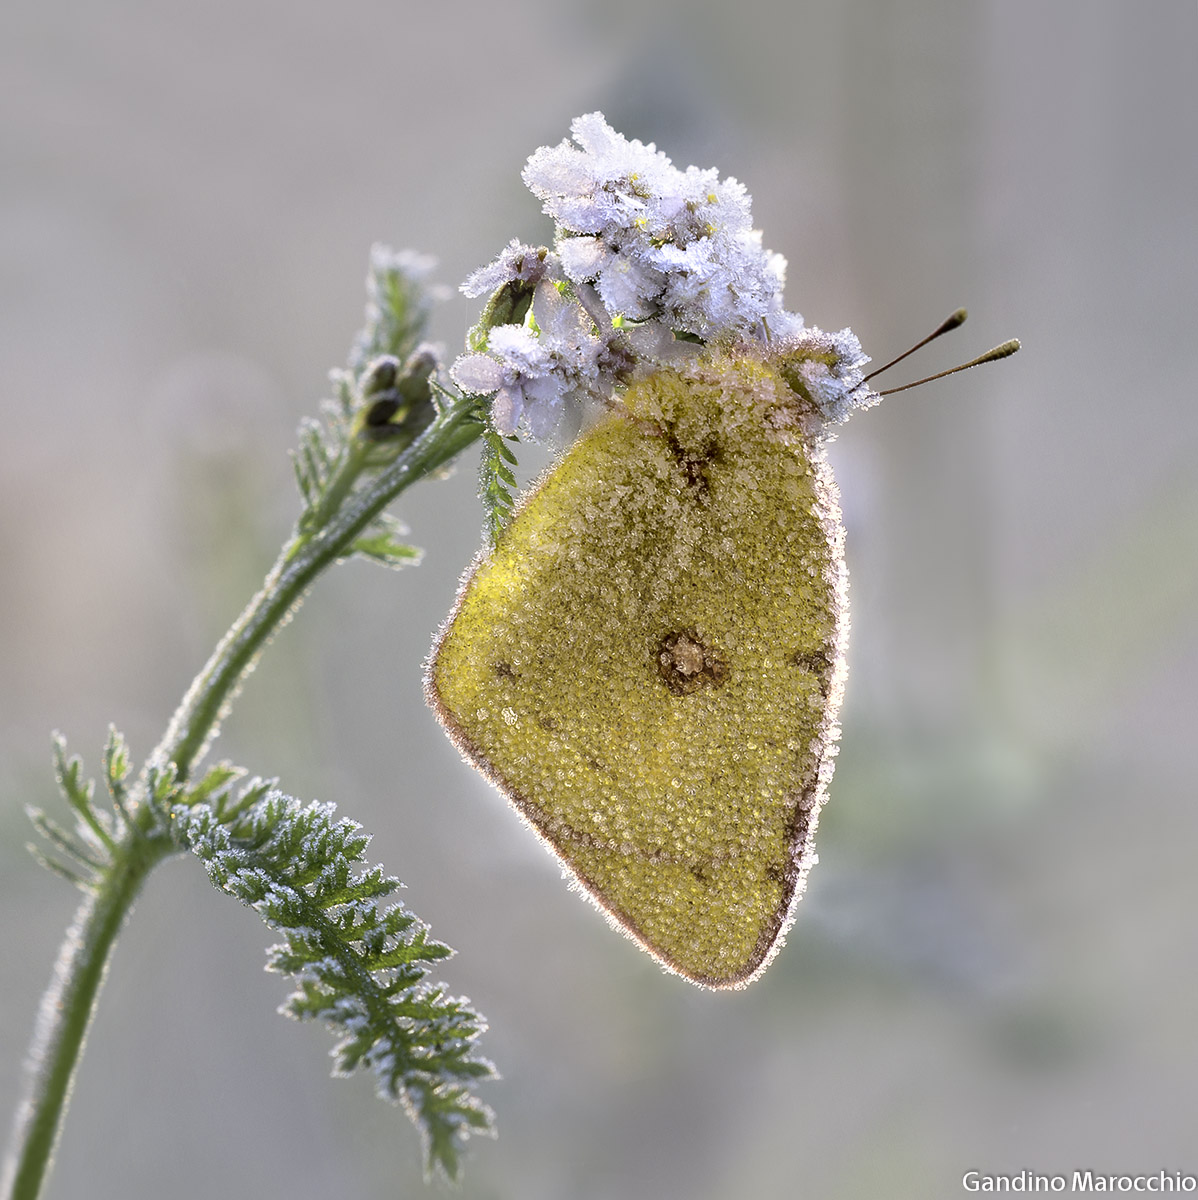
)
(69, 1003)
(67, 1009)
(198, 717)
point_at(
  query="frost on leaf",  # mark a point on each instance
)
(359, 964)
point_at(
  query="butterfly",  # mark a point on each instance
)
(650, 663)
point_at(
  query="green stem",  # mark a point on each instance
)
(68, 1004)
(67, 1009)
(340, 484)
(303, 558)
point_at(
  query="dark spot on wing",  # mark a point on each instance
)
(686, 664)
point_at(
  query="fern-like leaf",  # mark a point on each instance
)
(359, 964)
(83, 862)
(215, 785)
(382, 542)
(94, 826)
(117, 766)
(496, 481)
(397, 307)
(83, 853)
(313, 459)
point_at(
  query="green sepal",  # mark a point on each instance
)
(508, 306)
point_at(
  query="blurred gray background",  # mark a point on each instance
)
(996, 966)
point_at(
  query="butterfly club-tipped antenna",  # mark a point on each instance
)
(952, 321)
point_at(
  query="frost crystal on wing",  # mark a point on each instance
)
(650, 263)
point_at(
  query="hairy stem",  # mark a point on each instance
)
(69, 1003)
(67, 1009)
(198, 718)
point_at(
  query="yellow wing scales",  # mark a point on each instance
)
(650, 662)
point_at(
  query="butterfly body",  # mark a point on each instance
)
(650, 662)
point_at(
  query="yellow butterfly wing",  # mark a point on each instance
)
(650, 663)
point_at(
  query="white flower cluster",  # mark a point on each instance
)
(656, 242)
(649, 263)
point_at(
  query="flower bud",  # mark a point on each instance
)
(397, 403)
(380, 375)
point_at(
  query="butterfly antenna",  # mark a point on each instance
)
(949, 322)
(1004, 351)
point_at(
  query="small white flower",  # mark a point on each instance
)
(516, 261)
(566, 331)
(779, 326)
(535, 370)
(629, 286)
(478, 374)
(516, 368)
(582, 257)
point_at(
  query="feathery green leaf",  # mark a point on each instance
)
(358, 965)
(89, 845)
(80, 795)
(84, 881)
(496, 481)
(381, 542)
(74, 848)
(116, 770)
(397, 308)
